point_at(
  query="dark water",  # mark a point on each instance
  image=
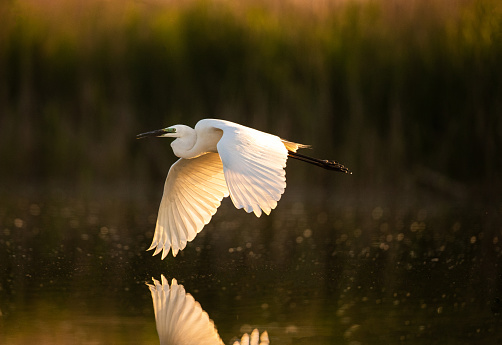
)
(396, 268)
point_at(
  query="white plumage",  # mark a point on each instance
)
(193, 191)
(220, 158)
(217, 158)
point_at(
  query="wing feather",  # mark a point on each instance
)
(246, 198)
(170, 239)
(253, 164)
(180, 218)
(196, 211)
(193, 191)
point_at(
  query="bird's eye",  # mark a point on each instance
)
(170, 130)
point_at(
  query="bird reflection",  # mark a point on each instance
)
(181, 320)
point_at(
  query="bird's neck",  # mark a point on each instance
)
(194, 143)
(183, 145)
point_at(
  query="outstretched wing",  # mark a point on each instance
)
(180, 319)
(193, 191)
(253, 163)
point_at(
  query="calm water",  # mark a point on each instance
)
(413, 269)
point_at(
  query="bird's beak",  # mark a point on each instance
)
(156, 133)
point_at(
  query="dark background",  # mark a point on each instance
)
(408, 95)
(401, 93)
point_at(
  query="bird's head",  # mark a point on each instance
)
(170, 132)
(184, 138)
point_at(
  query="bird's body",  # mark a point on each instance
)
(220, 158)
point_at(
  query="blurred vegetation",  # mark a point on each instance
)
(395, 90)
(403, 93)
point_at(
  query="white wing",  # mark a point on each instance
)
(180, 319)
(193, 191)
(253, 163)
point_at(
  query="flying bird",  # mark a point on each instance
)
(180, 319)
(219, 158)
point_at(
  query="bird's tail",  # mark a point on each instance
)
(323, 163)
(292, 147)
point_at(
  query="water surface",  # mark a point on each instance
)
(321, 269)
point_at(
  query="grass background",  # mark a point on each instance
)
(402, 93)
(407, 94)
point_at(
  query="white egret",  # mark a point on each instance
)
(180, 320)
(220, 158)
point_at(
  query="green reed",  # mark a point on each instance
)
(390, 89)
